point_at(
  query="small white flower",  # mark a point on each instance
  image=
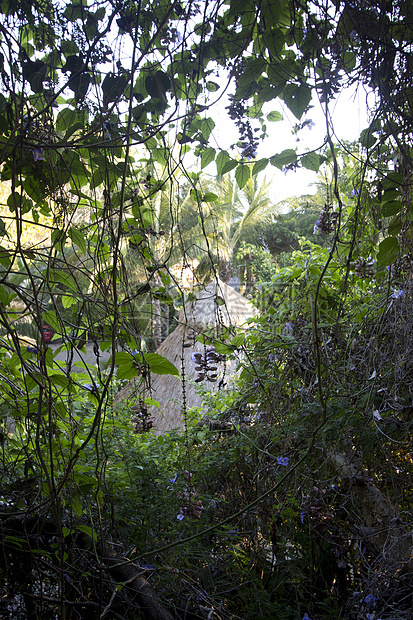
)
(376, 414)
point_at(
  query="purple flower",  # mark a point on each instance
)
(316, 227)
(289, 326)
(309, 124)
(212, 503)
(173, 480)
(370, 599)
(283, 460)
(302, 515)
(355, 192)
(259, 415)
(91, 387)
(180, 517)
(306, 617)
(38, 154)
(255, 384)
(397, 294)
(272, 357)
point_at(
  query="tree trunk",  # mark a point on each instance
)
(157, 335)
(249, 279)
(124, 571)
(378, 521)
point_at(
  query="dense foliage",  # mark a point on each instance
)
(292, 497)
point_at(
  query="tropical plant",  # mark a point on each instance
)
(231, 217)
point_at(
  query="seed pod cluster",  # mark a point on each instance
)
(141, 420)
(206, 364)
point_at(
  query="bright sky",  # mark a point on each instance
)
(349, 118)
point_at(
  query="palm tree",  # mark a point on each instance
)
(232, 218)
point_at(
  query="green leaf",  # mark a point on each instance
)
(221, 160)
(3, 231)
(166, 278)
(160, 155)
(48, 358)
(158, 85)
(65, 118)
(128, 365)
(392, 207)
(60, 379)
(259, 165)
(5, 257)
(58, 238)
(238, 340)
(222, 348)
(68, 301)
(51, 319)
(367, 138)
(207, 155)
(87, 530)
(113, 86)
(127, 371)
(274, 116)
(206, 126)
(297, 98)
(14, 542)
(209, 197)
(268, 93)
(97, 177)
(4, 296)
(311, 161)
(77, 507)
(229, 165)
(391, 194)
(288, 156)
(15, 200)
(74, 11)
(160, 365)
(150, 402)
(64, 278)
(388, 251)
(212, 87)
(255, 111)
(78, 239)
(394, 180)
(242, 174)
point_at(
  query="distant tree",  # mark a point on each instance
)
(233, 217)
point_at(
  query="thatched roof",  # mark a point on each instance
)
(217, 305)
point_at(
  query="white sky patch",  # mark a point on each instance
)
(349, 116)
